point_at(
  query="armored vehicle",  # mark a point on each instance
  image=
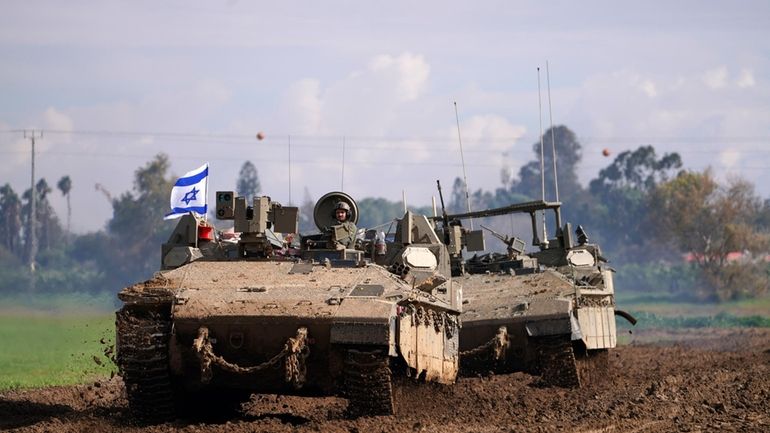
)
(267, 311)
(549, 312)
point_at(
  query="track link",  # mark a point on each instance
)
(569, 365)
(142, 358)
(368, 384)
(556, 361)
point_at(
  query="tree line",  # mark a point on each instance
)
(663, 227)
(678, 229)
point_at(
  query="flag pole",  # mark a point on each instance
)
(206, 197)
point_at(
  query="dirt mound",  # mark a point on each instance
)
(709, 380)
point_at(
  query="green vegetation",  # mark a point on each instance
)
(669, 303)
(666, 310)
(649, 320)
(45, 350)
(59, 304)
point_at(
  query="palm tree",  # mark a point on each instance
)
(10, 216)
(65, 186)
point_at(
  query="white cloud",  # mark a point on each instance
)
(706, 128)
(715, 78)
(173, 107)
(649, 89)
(729, 158)
(495, 140)
(302, 107)
(490, 131)
(55, 119)
(745, 79)
(365, 102)
(52, 120)
(211, 91)
(358, 70)
(409, 71)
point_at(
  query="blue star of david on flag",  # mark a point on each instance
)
(189, 193)
(190, 196)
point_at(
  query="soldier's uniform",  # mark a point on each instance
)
(349, 239)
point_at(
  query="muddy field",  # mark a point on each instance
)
(704, 380)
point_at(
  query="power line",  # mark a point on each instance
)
(500, 154)
(388, 146)
(275, 160)
(331, 145)
(388, 138)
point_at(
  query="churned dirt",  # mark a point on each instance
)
(696, 380)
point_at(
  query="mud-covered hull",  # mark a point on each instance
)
(252, 310)
(539, 311)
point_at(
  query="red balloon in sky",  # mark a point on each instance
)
(260, 135)
(606, 152)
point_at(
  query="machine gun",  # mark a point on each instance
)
(515, 245)
(457, 238)
(444, 216)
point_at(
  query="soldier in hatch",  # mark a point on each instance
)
(345, 229)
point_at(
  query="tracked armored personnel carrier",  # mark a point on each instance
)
(550, 311)
(267, 311)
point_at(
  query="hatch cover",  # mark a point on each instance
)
(368, 290)
(301, 268)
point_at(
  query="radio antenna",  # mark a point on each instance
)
(342, 180)
(462, 159)
(289, 138)
(544, 244)
(553, 139)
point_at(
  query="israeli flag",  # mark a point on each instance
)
(189, 193)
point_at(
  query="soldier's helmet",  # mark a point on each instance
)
(344, 206)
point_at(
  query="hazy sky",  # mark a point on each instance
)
(113, 83)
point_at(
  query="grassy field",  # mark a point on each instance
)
(666, 305)
(45, 349)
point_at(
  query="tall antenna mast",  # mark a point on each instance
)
(553, 139)
(544, 243)
(342, 181)
(289, 137)
(462, 159)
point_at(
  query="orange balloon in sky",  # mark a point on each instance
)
(260, 135)
(606, 152)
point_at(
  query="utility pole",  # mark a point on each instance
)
(32, 135)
